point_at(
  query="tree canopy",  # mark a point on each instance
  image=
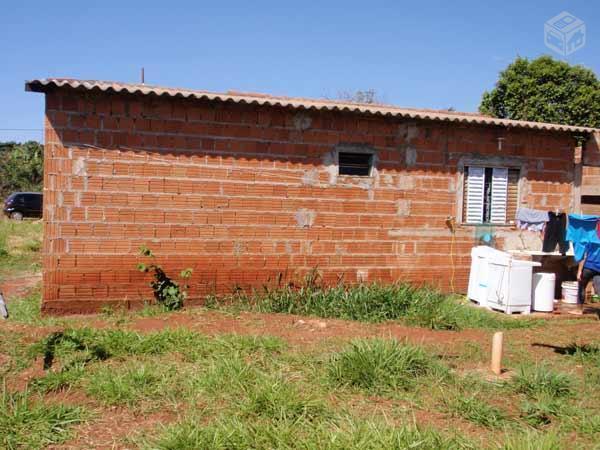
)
(545, 90)
(21, 167)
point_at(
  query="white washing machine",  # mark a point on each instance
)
(509, 284)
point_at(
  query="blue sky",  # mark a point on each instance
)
(426, 54)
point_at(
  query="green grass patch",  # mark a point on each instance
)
(545, 409)
(383, 365)
(275, 398)
(534, 440)
(585, 354)
(475, 410)
(420, 306)
(226, 433)
(25, 423)
(134, 382)
(538, 380)
(27, 310)
(20, 245)
(67, 353)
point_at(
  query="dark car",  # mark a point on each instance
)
(23, 204)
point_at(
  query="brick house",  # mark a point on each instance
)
(249, 189)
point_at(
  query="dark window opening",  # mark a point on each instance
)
(357, 164)
(487, 195)
(590, 199)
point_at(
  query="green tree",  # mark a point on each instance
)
(21, 167)
(545, 90)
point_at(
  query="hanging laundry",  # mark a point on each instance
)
(531, 219)
(582, 230)
(555, 233)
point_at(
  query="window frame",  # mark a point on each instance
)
(356, 149)
(498, 163)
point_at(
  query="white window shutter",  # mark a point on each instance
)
(474, 197)
(499, 195)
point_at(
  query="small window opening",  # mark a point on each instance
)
(590, 199)
(357, 164)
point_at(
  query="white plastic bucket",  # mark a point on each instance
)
(569, 292)
(543, 291)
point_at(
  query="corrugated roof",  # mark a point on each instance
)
(43, 85)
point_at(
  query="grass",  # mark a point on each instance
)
(538, 380)
(134, 382)
(233, 433)
(25, 423)
(71, 350)
(420, 306)
(381, 365)
(20, 244)
(585, 354)
(27, 310)
(274, 398)
(256, 392)
(477, 411)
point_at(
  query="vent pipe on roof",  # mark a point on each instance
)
(143, 77)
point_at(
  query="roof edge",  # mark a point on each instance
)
(47, 84)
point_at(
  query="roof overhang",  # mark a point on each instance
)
(48, 84)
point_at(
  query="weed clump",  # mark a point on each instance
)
(167, 292)
(477, 411)
(383, 365)
(538, 380)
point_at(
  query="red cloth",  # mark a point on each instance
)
(598, 228)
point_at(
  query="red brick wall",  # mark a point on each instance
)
(245, 195)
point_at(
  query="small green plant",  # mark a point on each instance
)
(543, 410)
(277, 399)
(538, 380)
(381, 365)
(167, 292)
(475, 410)
(585, 354)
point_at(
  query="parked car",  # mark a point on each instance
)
(23, 204)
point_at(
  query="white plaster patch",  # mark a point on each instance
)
(311, 177)
(329, 161)
(238, 248)
(288, 248)
(305, 218)
(79, 167)
(302, 122)
(408, 131)
(405, 183)
(402, 208)
(411, 156)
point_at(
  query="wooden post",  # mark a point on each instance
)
(497, 342)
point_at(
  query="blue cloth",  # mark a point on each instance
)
(592, 257)
(581, 230)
